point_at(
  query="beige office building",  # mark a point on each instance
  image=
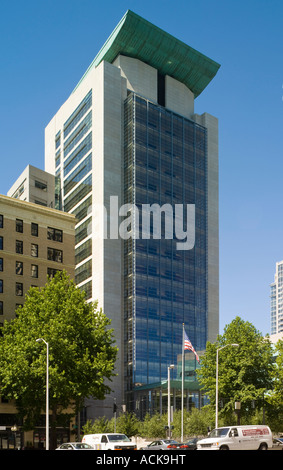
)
(35, 242)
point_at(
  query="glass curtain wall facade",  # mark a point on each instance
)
(165, 163)
(73, 186)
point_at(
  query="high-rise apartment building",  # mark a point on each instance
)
(277, 301)
(139, 170)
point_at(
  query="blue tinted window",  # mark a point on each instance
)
(165, 163)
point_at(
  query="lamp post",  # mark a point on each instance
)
(14, 429)
(169, 401)
(47, 391)
(216, 393)
(115, 413)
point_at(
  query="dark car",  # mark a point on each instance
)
(191, 444)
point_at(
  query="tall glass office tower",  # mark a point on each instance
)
(165, 163)
(129, 131)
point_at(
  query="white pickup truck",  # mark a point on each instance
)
(109, 441)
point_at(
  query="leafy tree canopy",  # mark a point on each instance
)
(245, 372)
(81, 351)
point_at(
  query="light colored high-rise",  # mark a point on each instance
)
(277, 301)
(128, 134)
(34, 185)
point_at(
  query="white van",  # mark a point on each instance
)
(109, 441)
(237, 438)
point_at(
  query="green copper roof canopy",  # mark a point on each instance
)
(135, 37)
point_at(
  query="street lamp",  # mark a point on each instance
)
(169, 401)
(14, 429)
(115, 413)
(216, 398)
(47, 391)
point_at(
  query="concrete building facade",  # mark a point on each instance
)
(128, 136)
(34, 185)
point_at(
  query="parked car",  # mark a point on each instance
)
(161, 444)
(191, 444)
(75, 446)
(277, 443)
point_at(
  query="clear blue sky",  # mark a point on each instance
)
(46, 46)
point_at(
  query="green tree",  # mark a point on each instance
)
(199, 421)
(81, 352)
(245, 373)
(277, 394)
(154, 426)
(128, 423)
(100, 425)
(275, 397)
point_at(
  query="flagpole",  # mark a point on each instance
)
(182, 404)
(186, 345)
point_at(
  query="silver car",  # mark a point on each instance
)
(161, 444)
(75, 446)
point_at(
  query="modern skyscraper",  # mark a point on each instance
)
(139, 169)
(277, 301)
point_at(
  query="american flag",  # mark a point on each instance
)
(188, 345)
